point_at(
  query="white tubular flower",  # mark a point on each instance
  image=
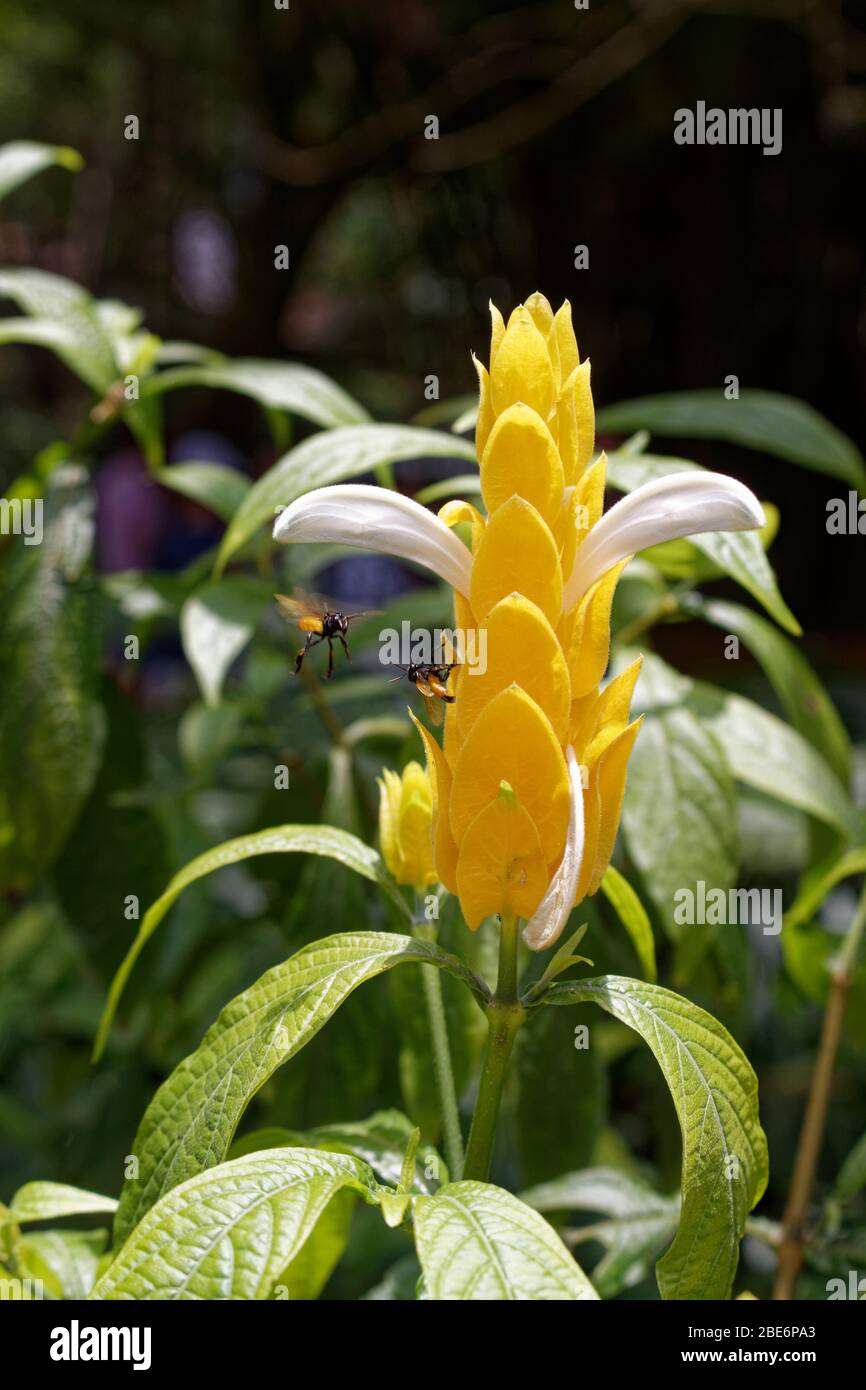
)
(682, 504)
(374, 518)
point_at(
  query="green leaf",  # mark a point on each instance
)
(763, 420)
(231, 1232)
(191, 1121)
(631, 912)
(803, 697)
(852, 1175)
(213, 485)
(309, 1271)
(464, 485)
(46, 1201)
(715, 1093)
(327, 458)
(680, 818)
(810, 897)
(275, 385)
(66, 1261)
(640, 1224)
(561, 1101)
(323, 840)
(738, 553)
(383, 1141)
(66, 321)
(22, 160)
(52, 727)
(216, 623)
(765, 752)
(477, 1242)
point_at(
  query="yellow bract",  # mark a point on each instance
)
(501, 794)
(405, 822)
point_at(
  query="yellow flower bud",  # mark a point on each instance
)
(406, 825)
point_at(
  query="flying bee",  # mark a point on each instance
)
(432, 682)
(321, 621)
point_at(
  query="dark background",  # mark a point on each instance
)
(262, 127)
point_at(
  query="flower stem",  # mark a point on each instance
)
(504, 1017)
(815, 1118)
(452, 1138)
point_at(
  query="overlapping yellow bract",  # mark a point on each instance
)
(500, 789)
(406, 823)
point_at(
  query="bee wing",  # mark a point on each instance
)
(365, 613)
(300, 605)
(435, 708)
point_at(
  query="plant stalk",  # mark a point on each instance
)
(505, 1015)
(815, 1119)
(452, 1137)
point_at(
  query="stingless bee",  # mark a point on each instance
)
(431, 681)
(321, 620)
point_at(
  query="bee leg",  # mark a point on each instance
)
(330, 670)
(312, 639)
(345, 646)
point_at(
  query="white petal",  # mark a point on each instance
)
(546, 924)
(682, 504)
(374, 518)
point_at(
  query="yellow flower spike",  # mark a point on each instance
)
(512, 740)
(590, 493)
(585, 634)
(497, 331)
(501, 867)
(517, 553)
(521, 458)
(610, 773)
(523, 370)
(484, 424)
(540, 588)
(405, 823)
(444, 846)
(579, 385)
(453, 513)
(606, 709)
(569, 357)
(522, 650)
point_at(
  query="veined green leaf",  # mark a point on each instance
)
(214, 485)
(68, 322)
(738, 553)
(22, 160)
(765, 752)
(67, 1262)
(477, 1242)
(216, 623)
(323, 840)
(231, 1232)
(715, 1093)
(191, 1120)
(631, 912)
(764, 420)
(679, 818)
(47, 1201)
(276, 385)
(803, 697)
(812, 896)
(639, 1223)
(327, 458)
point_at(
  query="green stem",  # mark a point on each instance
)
(443, 1070)
(504, 1017)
